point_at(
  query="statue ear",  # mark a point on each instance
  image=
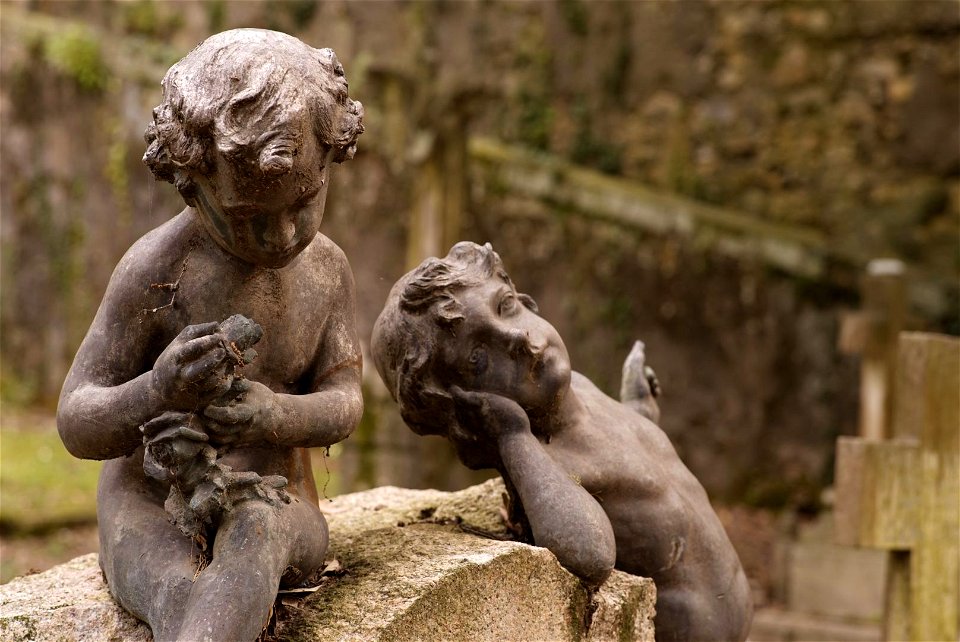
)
(449, 311)
(529, 303)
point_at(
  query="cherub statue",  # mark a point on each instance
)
(599, 484)
(207, 503)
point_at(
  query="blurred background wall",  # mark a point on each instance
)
(710, 177)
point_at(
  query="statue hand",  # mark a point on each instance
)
(490, 414)
(245, 420)
(176, 449)
(193, 369)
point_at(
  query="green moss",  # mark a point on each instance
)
(216, 15)
(15, 389)
(615, 77)
(536, 120)
(117, 175)
(575, 16)
(682, 176)
(627, 624)
(140, 17)
(62, 242)
(143, 17)
(615, 80)
(590, 151)
(618, 317)
(26, 624)
(363, 440)
(301, 12)
(578, 614)
(76, 54)
(289, 15)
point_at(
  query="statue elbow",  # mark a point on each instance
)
(594, 566)
(352, 415)
(592, 559)
(72, 435)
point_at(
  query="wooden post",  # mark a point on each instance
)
(872, 333)
(903, 494)
(439, 189)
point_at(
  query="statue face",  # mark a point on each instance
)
(265, 220)
(503, 347)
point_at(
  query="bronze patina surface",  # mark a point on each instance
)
(207, 503)
(592, 479)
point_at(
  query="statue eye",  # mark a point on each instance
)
(478, 360)
(508, 305)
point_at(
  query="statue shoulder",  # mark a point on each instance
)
(327, 252)
(584, 386)
(155, 257)
(329, 263)
(166, 244)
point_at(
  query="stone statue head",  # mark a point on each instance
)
(460, 321)
(250, 121)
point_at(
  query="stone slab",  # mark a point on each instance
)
(415, 569)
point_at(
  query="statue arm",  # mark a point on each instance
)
(333, 409)
(320, 418)
(563, 516)
(334, 405)
(117, 383)
(108, 392)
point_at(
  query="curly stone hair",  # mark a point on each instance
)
(247, 92)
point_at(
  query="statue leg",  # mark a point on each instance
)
(256, 547)
(148, 563)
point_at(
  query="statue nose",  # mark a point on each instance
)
(522, 343)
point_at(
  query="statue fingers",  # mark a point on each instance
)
(199, 370)
(467, 397)
(195, 331)
(162, 422)
(193, 435)
(239, 413)
(195, 348)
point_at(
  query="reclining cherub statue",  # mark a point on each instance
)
(467, 356)
(208, 504)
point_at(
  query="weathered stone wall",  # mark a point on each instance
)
(837, 117)
(841, 116)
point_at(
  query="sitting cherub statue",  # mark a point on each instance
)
(467, 356)
(208, 503)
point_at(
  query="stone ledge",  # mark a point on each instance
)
(424, 580)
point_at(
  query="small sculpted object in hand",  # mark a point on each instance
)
(595, 481)
(207, 503)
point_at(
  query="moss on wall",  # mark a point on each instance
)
(76, 54)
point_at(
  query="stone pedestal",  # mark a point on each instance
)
(414, 569)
